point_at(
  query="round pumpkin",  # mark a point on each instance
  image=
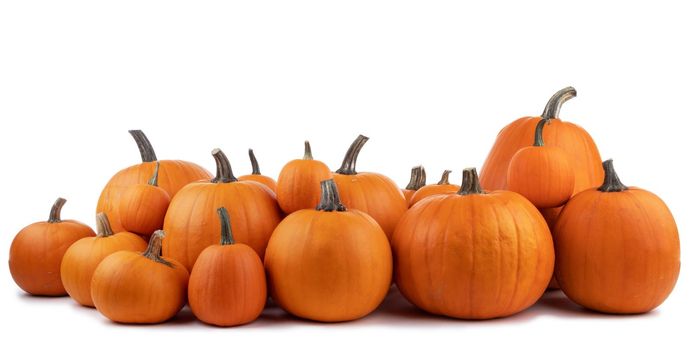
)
(442, 187)
(37, 251)
(82, 258)
(191, 223)
(134, 287)
(143, 206)
(617, 248)
(543, 174)
(473, 254)
(173, 175)
(416, 182)
(298, 185)
(372, 193)
(227, 284)
(257, 175)
(329, 264)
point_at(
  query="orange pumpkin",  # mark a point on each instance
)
(133, 287)
(550, 215)
(473, 254)
(227, 284)
(82, 258)
(617, 248)
(37, 250)
(173, 175)
(329, 264)
(191, 224)
(143, 206)
(298, 186)
(416, 182)
(372, 193)
(543, 174)
(442, 187)
(257, 175)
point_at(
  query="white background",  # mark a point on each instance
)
(430, 82)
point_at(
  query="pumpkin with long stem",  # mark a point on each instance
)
(38, 249)
(257, 175)
(617, 248)
(298, 185)
(416, 182)
(82, 258)
(442, 187)
(143, 206)
(329, 264)
(227, 284)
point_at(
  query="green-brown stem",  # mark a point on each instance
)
(146, 151)
(444, 180)
(253, 161)
(552, 108)
(153, 251)
(224, 173)
(154, 181)
(417, 178)
(226, 232)
(538, 135)
(329, 198)
(348, 166)
(611, 182)
(103, 225)
(470, 183)
(307, 155)
(54, 216)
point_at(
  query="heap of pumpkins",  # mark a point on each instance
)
(326, 245)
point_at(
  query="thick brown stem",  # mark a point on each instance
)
(552, 108)
(154, 181)
(224, 173)
(153, 251)
(307, 155)
(538, 135)
(145, 148)
(329, 198)
(226, 232)
(103, 225)
(348, 166)
(470, 183)
(253, 161)
(611, 182)
(54, 216)
(444, 180)
(417, 178)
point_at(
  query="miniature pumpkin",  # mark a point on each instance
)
(191, 223)
(474, 254)
(257, 175)
(227, 284)
(134, 287)
(143, 206)
(416, 182)
(543, 174)
(372, 193)
(298, 186)
(442, 187)
(37, 250)
(173, 175)
(329, 264)
(617, 248)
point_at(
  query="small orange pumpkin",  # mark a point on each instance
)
(329, 264)
(257, 175)
(373, 193)
(37, 250)
(617, 248)
(82, 258)
(416, 182)
(132, 287)
(543, 174)
(227, 284)
(442, 187)
(143, 206)
(298, 186)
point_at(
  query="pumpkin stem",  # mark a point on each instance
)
(253, 160)
(348, 166)
(308, 151)
(538, 136)
(154, 181)
(224, 173)
(226, 232)
(103, 225)
(611, 182)
(54, 216)
(444, 180)
(145, 148)
(552, 108)
(470, 184)
(417, 178)
(153, 251)
(329, 200)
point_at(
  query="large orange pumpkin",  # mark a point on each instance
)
(473, 254)
(416, 182)
(372, 193)
(617, 248)
(143, 206)
(191, 223)
(329, 264)
(442, 187)
(298, 186)
(257, 175)
(37, 251)
(173, 175)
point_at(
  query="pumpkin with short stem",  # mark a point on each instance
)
(442, 187)
(257, 175)
(416, 182)
(143, 206)
(82, 258)
(617, 248)
(329, 264)
(298, 185)
(543, 174)
(227, 284)
(474, 254)
(136, 287)
(173, 175)
(191, 223)
(38, 249)
(373, 193)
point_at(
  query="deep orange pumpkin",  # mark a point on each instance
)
(143, 206)
(298, 186)
(257, 175)
(442, 187)
(416, 182)
(173, 175)
(617, 248)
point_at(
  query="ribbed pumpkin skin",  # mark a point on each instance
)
(431, 190)
(544, 175)
(476, 256)
(264, 180)
(142, 208)
(298, 186)
(617, 252)
(173, 175)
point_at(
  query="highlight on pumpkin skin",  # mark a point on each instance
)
(441, 187)
(257, 175)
